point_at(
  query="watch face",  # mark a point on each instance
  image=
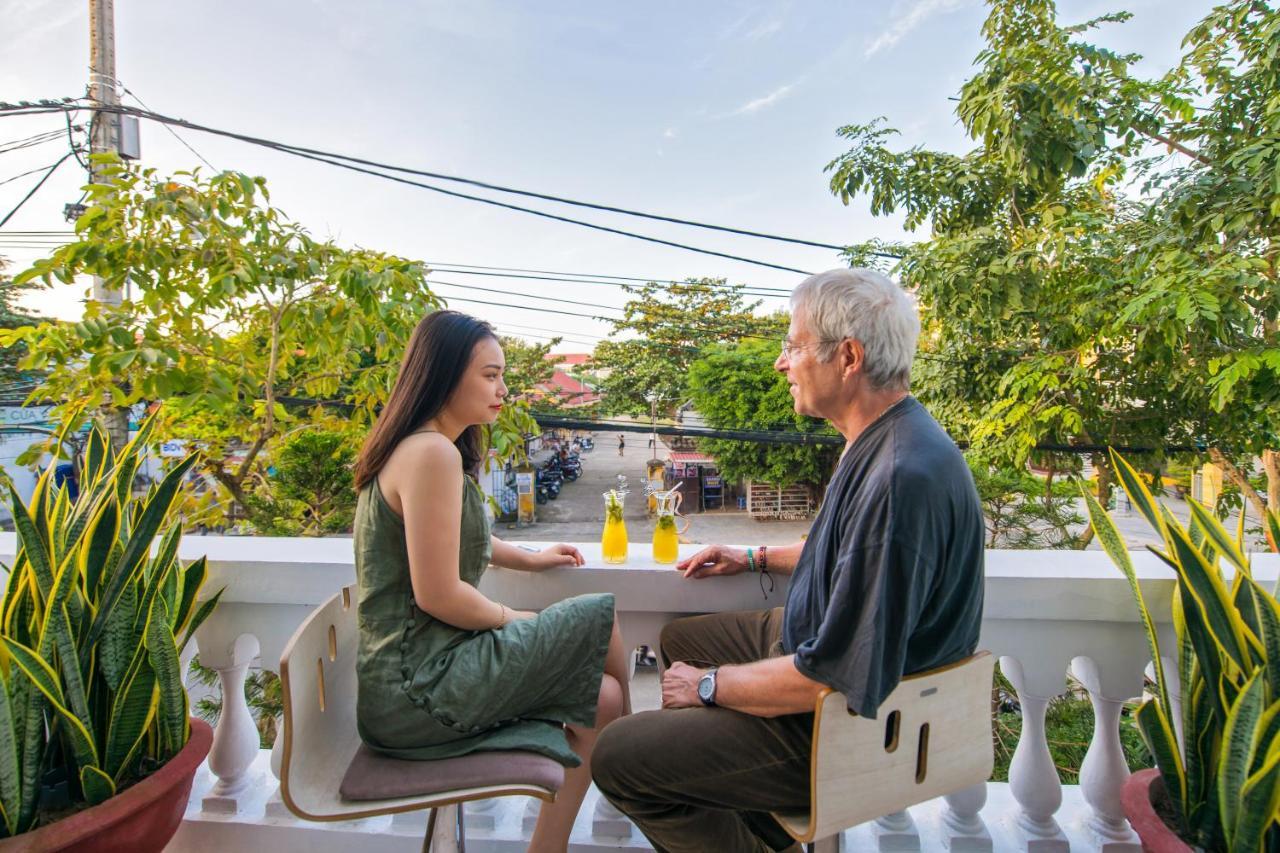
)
(706, 687)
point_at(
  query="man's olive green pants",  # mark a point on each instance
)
(705, 779)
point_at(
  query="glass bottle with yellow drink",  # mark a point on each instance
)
(666, 535)
(613, 541)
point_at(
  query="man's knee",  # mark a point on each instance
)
(672, 641)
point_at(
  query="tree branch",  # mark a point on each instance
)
(1240, 480)
(1179, 147)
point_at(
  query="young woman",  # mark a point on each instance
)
(443, 670)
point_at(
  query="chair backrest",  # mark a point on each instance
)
(932, 736)
(318, 683)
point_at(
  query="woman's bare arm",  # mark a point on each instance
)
(430, 497)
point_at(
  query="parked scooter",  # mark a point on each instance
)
(551, 481)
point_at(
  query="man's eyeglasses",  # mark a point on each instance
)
(789, 346)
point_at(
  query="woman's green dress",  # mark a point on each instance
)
(429, 690)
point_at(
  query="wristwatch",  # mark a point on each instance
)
(707, 687)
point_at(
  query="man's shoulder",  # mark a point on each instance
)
(922, 450)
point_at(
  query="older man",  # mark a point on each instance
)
(889, 582)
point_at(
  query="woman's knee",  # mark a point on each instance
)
(609, 704)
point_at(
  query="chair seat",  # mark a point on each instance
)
(371, 776)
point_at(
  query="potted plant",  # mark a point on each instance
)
(1217, 784)
(97, 748)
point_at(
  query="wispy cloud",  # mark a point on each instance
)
(764, 103)
(33, 18)
(763, 30)
(915, 14)
(670, 133)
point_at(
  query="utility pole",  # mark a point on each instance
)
(105, 137)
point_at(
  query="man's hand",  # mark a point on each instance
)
(680, 686)
(555, 555)
(714, 560)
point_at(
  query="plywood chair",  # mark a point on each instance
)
(932, 737)
(327, 774)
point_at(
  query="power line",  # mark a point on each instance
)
(337, 160)
(30, 141)
(666, 284)
(554, 331)
(540, 213)
(172, 132)
(440, 176)
(38, 185)
(527, 295)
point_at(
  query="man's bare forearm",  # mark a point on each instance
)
(782, 559)
(767, 688)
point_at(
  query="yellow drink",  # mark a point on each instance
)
(613, 543)
(666, 544)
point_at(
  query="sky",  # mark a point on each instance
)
(723, 112)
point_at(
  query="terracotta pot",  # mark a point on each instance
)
(1139, 807)
(142, 819)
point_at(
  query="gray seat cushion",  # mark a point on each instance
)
(371, 776)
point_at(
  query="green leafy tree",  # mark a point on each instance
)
(232, 311)
(527, 366)
(13, 316)
(1026, 511)
(671, 324)
(736, 387)
(1086, 279)
(311, 490)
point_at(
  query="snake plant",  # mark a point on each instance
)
(89, 627)
(1217, 747)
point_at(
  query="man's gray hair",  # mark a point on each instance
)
(865, 305)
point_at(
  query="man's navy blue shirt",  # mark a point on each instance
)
(890, 580)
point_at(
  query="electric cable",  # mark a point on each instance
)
(338, 161)
(34, 189)
(172, 132)
(23, 175)
(440, 176)
(30, 141)
(745, 290)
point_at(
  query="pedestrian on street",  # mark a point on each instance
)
(622, 445)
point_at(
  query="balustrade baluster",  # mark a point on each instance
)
(608, 822)
(1033, 779)
(896, 833)
(275, 807)
(1104, 770)
(235, 737)
(963, 831)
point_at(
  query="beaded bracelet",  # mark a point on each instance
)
(751, 560)
(764, 558)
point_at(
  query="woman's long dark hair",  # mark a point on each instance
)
(438, 354)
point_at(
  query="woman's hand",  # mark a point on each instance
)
(714, 560)
(555, 555)
(517, 615)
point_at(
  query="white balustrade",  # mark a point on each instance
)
(896, 833)
(608, 822)
(1105, 770)
(275, 807)
(963, 831)
(1045, 613)
(235, 738)
(1033, 778)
